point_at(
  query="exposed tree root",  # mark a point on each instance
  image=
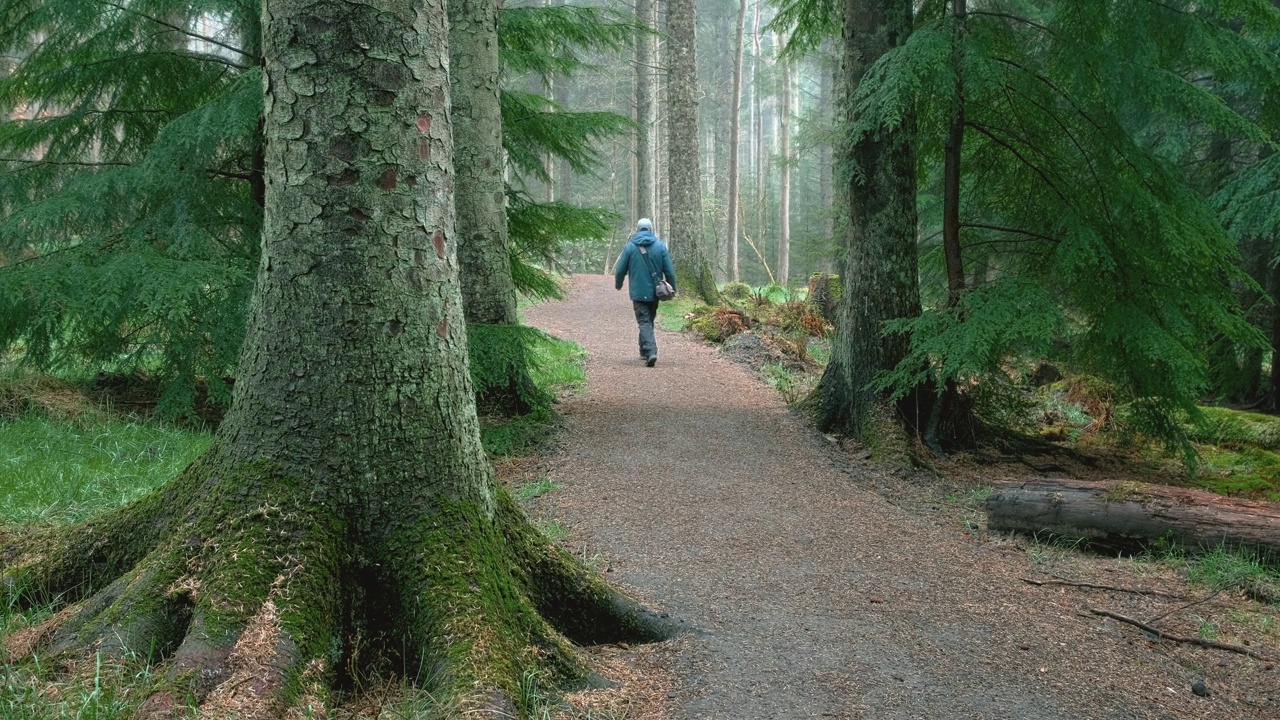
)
(252, 598)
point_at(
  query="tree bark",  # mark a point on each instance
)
(952, 153)
(735, 133)
(784, 179)
(1126, 515)
(878, 263)
(346, 494)
(693, 269)
(484, 255)
(646, 13)
(826, 170)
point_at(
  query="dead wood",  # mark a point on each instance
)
(1161, 634)
(1127, 515)
(1133, 591)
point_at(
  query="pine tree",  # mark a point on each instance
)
(131, 186)
(346, 495)
(693, 268)
(878, 254)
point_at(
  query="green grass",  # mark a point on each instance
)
(553, 529)
(63, 471)
(1221, 568)
(1236, 429)
(558, 363)
(671, 313)
(537, 488)
(104, 689)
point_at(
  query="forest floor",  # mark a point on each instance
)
(819, 585)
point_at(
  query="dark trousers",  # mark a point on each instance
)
(646, 313)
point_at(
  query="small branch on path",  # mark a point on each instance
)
(1072, 583)
(1193, 603)
(1161, 634)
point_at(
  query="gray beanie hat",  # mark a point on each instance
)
(644, 224)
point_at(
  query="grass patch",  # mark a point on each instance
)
(671, 313)
(553, 529)
(64, 471)
(1222, 568)
(537, 488)
(1250, 472)
(103, 688)
(558, 364)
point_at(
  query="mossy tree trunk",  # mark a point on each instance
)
(346, 500)
(484, 259)
(693, 269)
(877, 247)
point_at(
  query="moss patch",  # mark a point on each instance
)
(1248, 472)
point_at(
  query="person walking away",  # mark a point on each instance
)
(645, 261)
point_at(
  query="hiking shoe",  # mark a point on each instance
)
(651, 361)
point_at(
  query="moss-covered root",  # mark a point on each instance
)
(244, 601)
(488, 601)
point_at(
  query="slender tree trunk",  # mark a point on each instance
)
(826, 159)
(735, 123)
(951, 171)
(346, 494)
(878, 264)
(784, 180)
(646, 13)
(693, 270)
(757, 129)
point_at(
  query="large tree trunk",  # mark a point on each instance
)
(735, 134)
(484, 260)
(693, 269)
(346, 498)
(878, 264)
(1125, 515)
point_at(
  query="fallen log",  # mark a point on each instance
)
(1126, 515)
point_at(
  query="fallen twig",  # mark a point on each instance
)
(1184, 639)
(1193, 603)
(1072, 583)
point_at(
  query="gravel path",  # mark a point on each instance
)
(811, 595)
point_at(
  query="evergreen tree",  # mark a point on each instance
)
(130, 187)
(346, 495)
(693, 268)
(877, 264)
(1095, 234)
(131, 181)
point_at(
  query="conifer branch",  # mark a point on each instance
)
(179, 29)
(983, 129)
(1015, 18)
(1014, 231)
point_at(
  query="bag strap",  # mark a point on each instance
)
(645, 255)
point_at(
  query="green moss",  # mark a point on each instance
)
(736, 291)
(1236, 429)
(1247, 472)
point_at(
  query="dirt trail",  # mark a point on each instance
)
(812, 595)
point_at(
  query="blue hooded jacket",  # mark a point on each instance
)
(632, 262)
